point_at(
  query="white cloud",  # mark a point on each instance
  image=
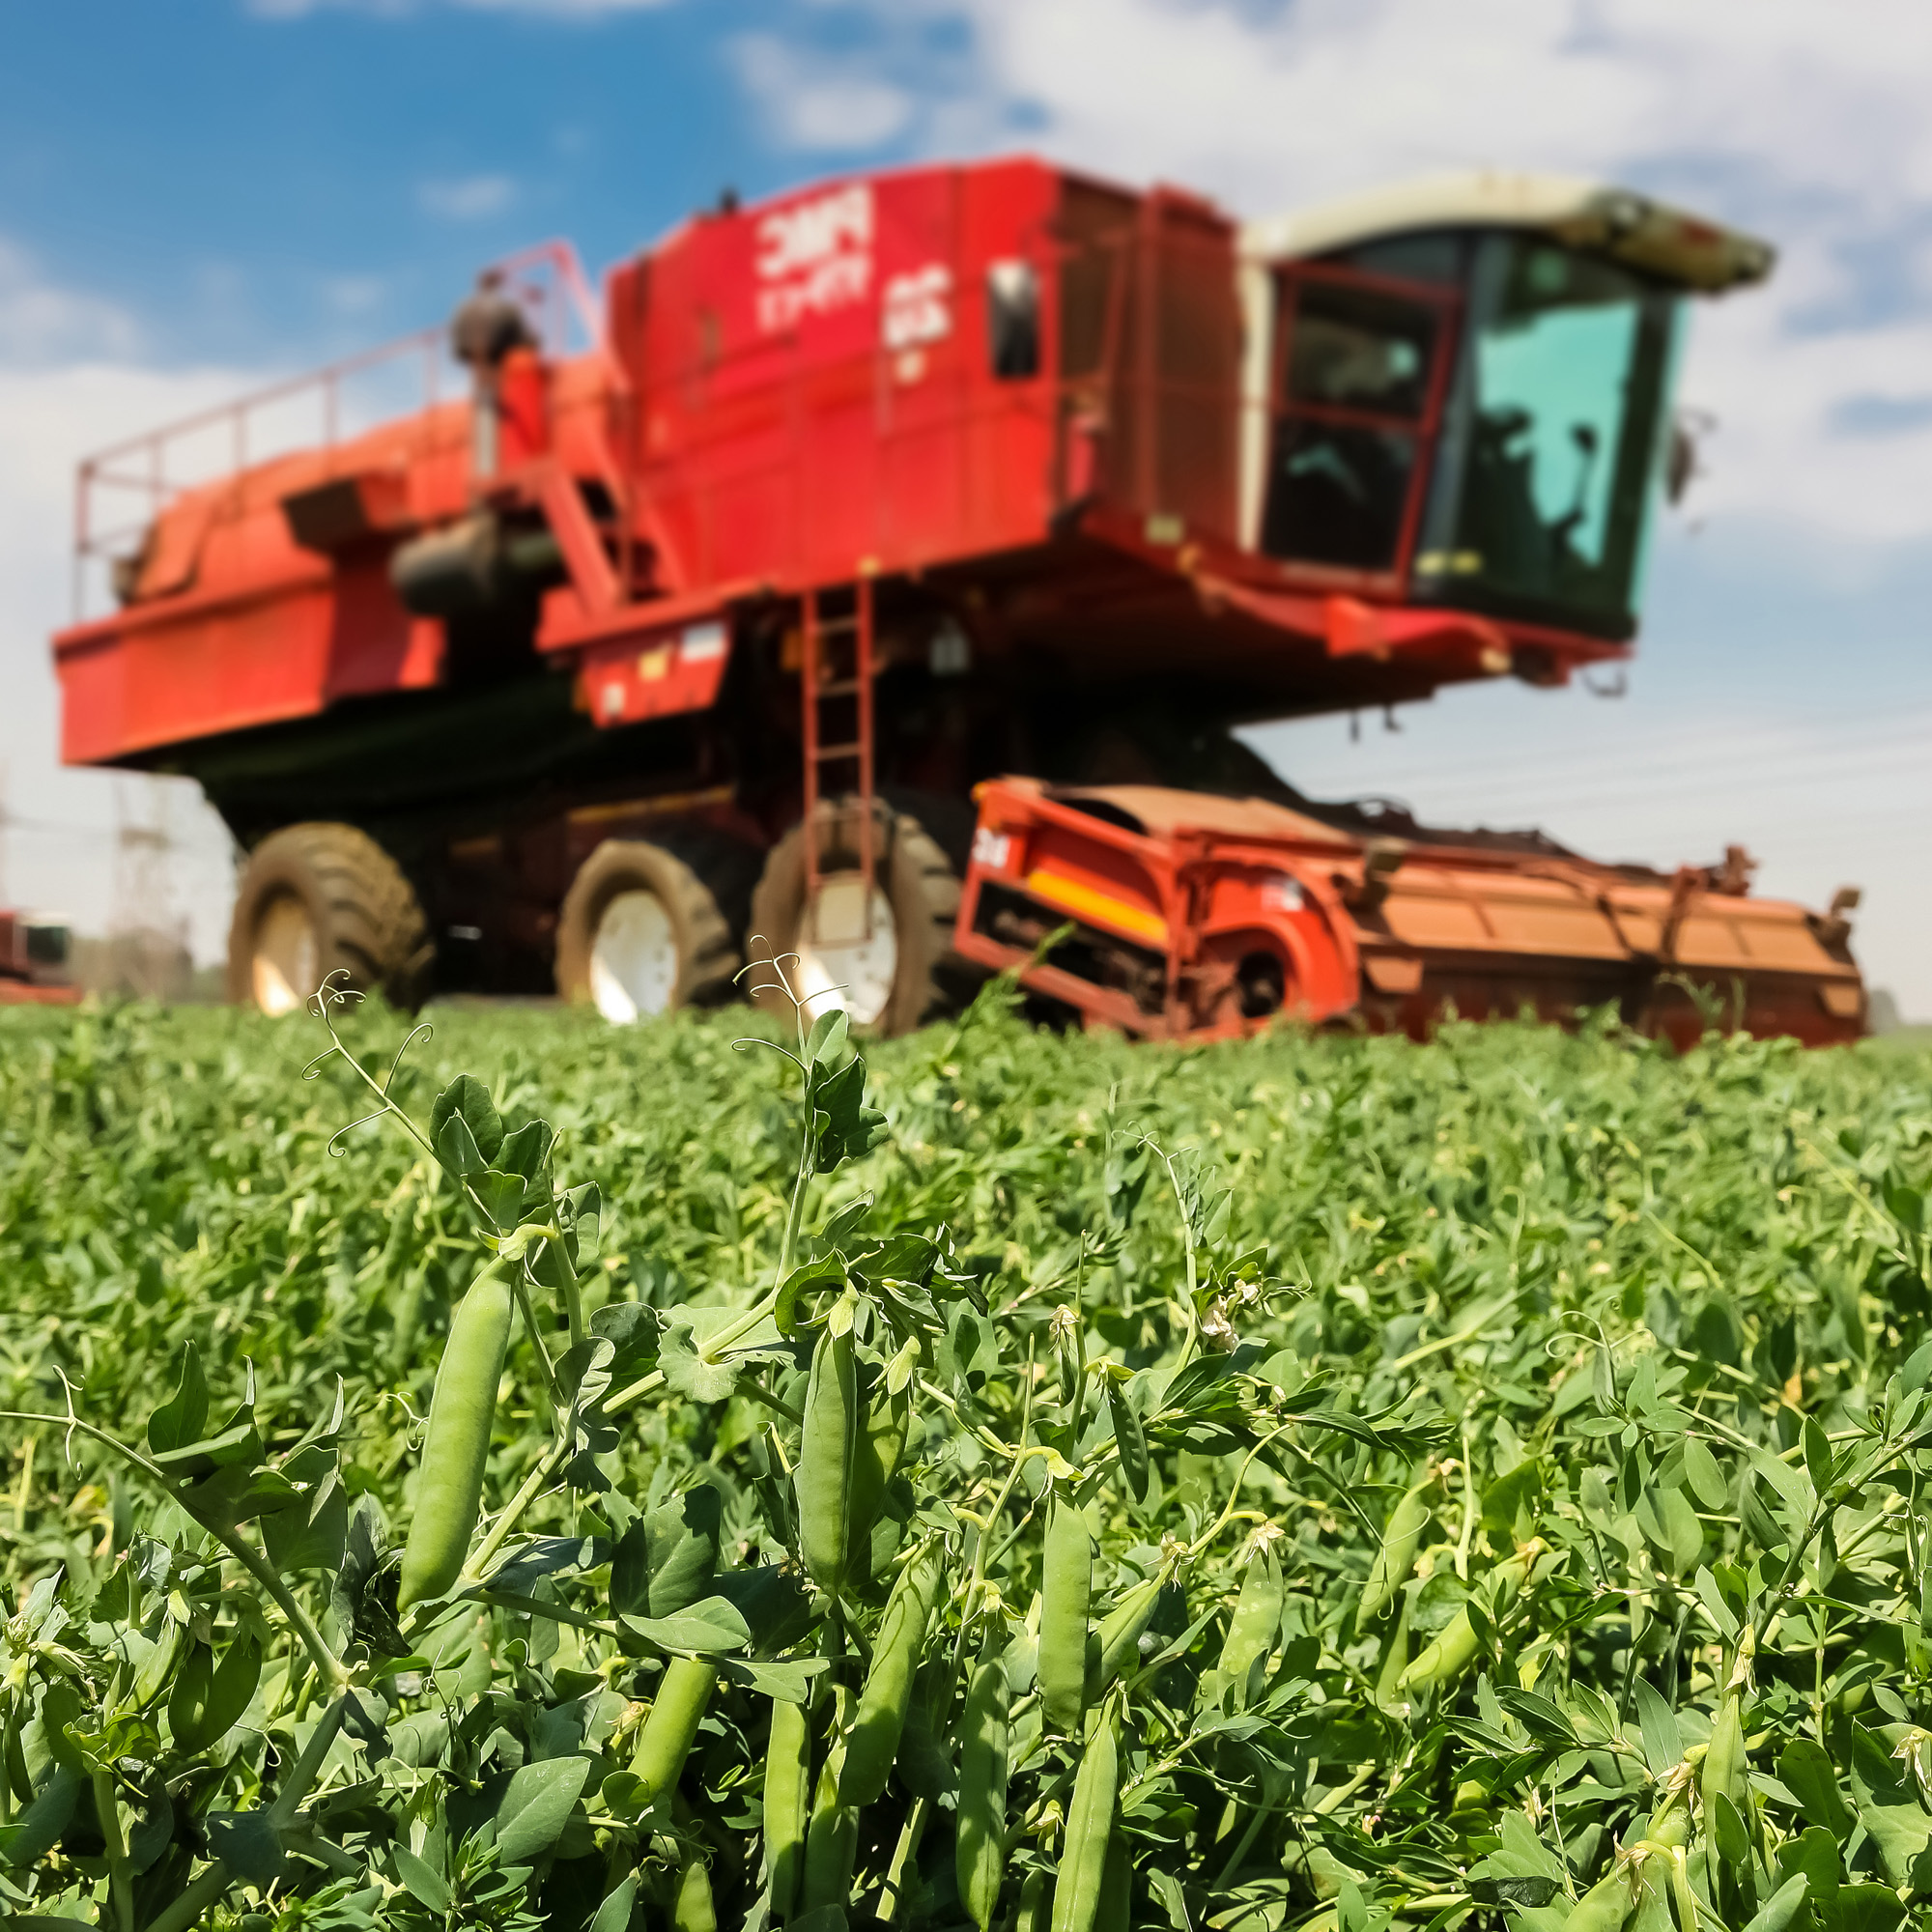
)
(466, 197)
(41, 322)
(353, 296)
(821, 103)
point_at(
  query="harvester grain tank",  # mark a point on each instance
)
(862, 498)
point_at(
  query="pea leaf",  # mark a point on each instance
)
(533, 1810)
(614, 1913)
(1887, 1806)
(1782, 1908)
(249, 1843)
(1704, 1475)
(467, 1101)
(1808, 1772)
(686, 1372)
(1662, 1747)
(789, 1682)
(184, 1414)
(423, 1884)
(665, 1561)
(502, 1198)
(712, 1624)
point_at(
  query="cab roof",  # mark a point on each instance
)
(1665, 241)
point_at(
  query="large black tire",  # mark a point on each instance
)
(700, 957)
(919, 884)
(316, 899)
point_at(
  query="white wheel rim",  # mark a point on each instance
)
(839, 964)
(284, 963)
(633, 959)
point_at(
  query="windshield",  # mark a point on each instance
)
(1550, 441)
(1526, 491)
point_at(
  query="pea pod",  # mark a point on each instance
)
(828, 1451)
(1066, 1584)
(1034, 1903)
(694, 1911)
(1445, 1660)
(787, 1801)
(1726, 1767)
(1605, 1906)
(188, 1702)
(1090, 1829)
(1117, 1889)
(209, 1698)
(925, 1766)
(1256, 1618)
(1117, 1642)
(1396, 1559)
(832, 1832)
(875, 1457)
(449, 1489)
(874, 1741)
(671, 1727)
(1455, 1648)
(981, 1858)
(36, 1830)
(1670, 1823)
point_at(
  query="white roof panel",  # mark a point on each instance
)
(1662, 241)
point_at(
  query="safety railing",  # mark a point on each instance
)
(121, 490)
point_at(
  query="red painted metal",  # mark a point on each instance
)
(1181, 904)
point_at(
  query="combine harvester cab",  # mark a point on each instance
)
(701, 631)
(1175, 915)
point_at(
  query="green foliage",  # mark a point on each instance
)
(1000, 1480)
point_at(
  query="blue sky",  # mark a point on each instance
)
(197, 194)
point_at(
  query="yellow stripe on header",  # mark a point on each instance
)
(1070, 895)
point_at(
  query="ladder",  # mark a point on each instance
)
(835, 686)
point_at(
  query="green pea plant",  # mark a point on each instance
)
(1025, 1484)
(861, 1668)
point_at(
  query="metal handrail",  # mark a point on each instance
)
(568, 297)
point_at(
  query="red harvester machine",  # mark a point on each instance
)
(854, 501)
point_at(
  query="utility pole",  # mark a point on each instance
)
(145, 933)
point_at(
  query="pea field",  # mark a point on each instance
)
(530, 1475)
